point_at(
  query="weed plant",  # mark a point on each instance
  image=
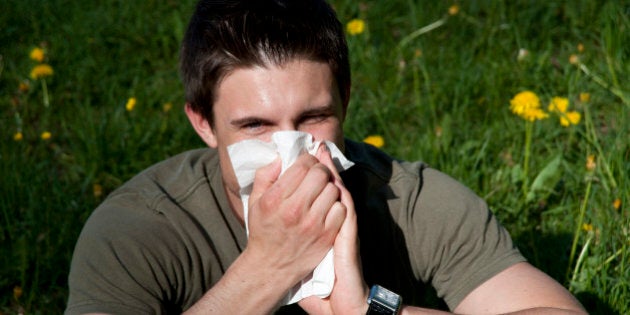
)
(432, 80)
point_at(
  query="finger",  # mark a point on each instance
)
(348, 234)
(324, 157)
(325, 201)
(346, 244)
(313, 185)
(265, 177)
(294, 175)
(313, 305)
(349, 229)
(336, 218)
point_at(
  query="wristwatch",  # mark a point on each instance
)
(383, 301)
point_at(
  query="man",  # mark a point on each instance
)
(172, 239)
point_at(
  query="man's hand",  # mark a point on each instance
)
(293, 221)
(294, 218)
(349, 294)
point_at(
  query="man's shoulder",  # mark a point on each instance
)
(373, 160)
(173, 176)
(175, 179)
(138, 205)
(400, 175)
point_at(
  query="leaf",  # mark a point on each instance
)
(516, 174)
(546, 180)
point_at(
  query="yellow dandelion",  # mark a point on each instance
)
(18, 136)
(355, 27)
(617, 204)
(580, 47)
(17, 292)
(585, 97)
(37, 54)
(167, 107)
(536, 114)
(453, 10)
(590, 163)
(558, 104)
(526, 104)
(570, 118)
(564, 121)
(46, 135)
(587, 227)
(523, 101)
(23, 87)
(97, 190)
(131, 104)
(574, 59)
(41, 71)
(375, 140)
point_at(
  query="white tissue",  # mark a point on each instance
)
(249, 155)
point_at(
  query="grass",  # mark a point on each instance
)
(436, 86)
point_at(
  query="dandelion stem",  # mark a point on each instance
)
(591, 137)
(528, 143)
(578, 228)
(610, 258)
(618, 92)
(421, 31)
(578, 264)
(45, 92)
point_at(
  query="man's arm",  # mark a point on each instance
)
(520, 287)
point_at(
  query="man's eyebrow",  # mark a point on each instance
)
(247, 120)
(326, 109)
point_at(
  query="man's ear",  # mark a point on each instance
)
(202, 126)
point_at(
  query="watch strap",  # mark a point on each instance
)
(377, 309)
(382, 301)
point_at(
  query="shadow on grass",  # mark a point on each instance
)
(595, 305)
(550, 253)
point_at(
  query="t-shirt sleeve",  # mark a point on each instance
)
(455, 241)
(118, 266)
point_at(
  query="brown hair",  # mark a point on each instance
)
(226, 35)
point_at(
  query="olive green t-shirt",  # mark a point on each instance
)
(164, 238)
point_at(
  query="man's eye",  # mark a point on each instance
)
(253, 125)
(315, 118)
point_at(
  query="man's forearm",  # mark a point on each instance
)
(549, 310)
(410, 310)
(244, 289)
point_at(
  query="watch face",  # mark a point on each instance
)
(384, 297)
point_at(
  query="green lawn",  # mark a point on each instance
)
(434, 80)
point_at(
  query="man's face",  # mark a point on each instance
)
(253, 103)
